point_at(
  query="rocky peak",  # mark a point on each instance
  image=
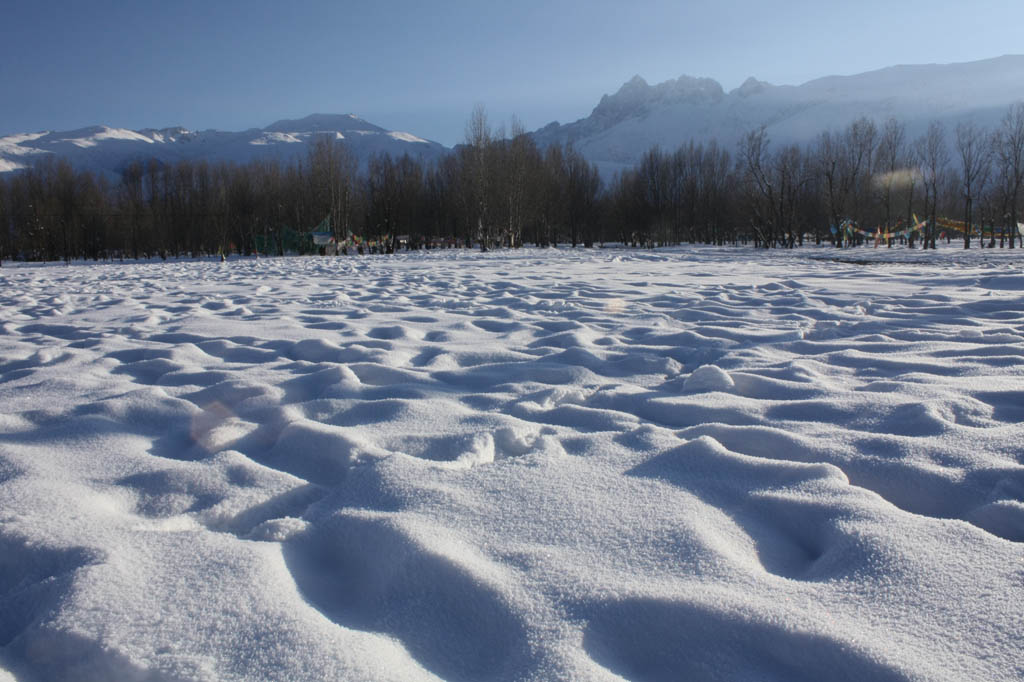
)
(751, 86)
(637, 98)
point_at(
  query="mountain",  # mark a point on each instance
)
(625, 125)
(110, 150)
(616, 134)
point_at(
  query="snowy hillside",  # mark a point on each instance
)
(693, 464)
(110, 150)
(625, 125)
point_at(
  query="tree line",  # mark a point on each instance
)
(863, 183)
(501, 190)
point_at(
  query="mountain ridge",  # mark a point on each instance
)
(109, 150)
(624, 125)
(621, 127)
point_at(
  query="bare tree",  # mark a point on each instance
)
(933, 155)
(583, 185)
(891, 160)
(772, 185)
(859, 141)
(654, 184)
(714, 180)
(974, 153)
(332, 170)
(478, 174)
(552, 196)
(382, 196)
(752, 167)
(409, 176)
(1009, 151)
(844, 162)
(518, 169)
(131, 183)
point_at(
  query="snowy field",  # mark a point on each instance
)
(694, 464)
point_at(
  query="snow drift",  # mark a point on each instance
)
(600, 465)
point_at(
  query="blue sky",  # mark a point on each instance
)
(422, 67)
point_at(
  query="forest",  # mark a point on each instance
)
(868, 183)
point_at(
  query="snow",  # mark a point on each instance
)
(121, 134)
(276, 138)
(15, 140)
(87, 138)
(698, 463)
(709, 378)
(405, 137)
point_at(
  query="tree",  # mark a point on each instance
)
(133, 205)
(756, 186)
(520, 168)
(771, 186)
(891, 164)
(442, 194)
(552, 196)
(974, 153)
(844, 161)
(583, 184)
(828, 157)
(478, 175)
(654, 184)
(94, 209)
(332, 172)
(933, 156)
(409, 177)
(714, 179)
(382, 196)
(1009, 151)
(859, 143)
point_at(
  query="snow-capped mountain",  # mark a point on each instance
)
(110, 150)
(621, 128)
(625, 125)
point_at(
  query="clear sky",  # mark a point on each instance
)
(422, 66)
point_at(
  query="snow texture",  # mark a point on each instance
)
(708, 464)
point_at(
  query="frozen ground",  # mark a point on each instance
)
(542, 465)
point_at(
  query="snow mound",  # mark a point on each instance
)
(708, 378)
